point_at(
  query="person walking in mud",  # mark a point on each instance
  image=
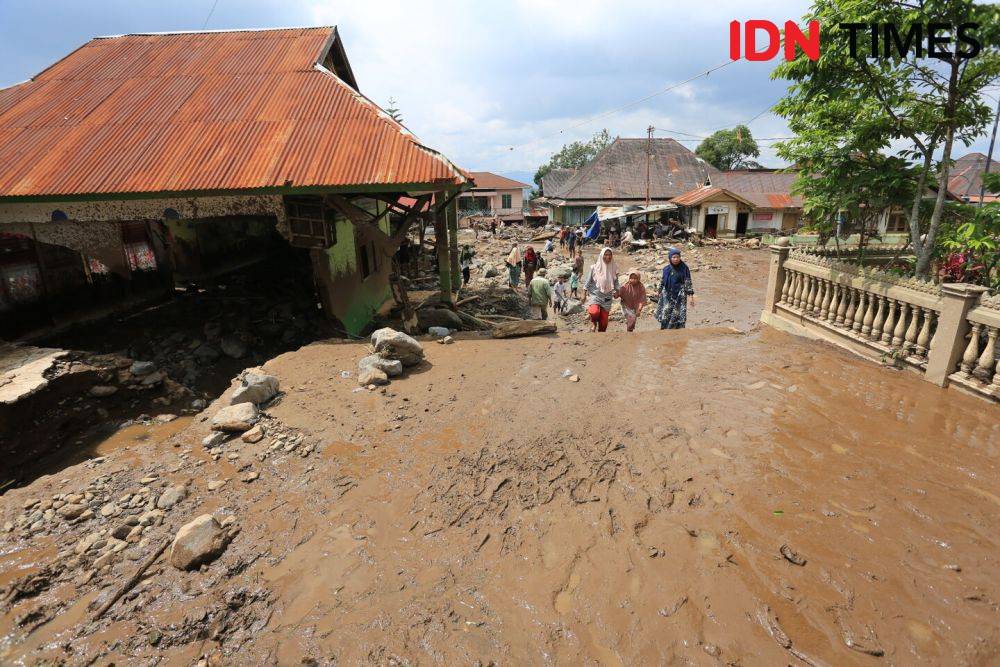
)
(465, 261)
(676, 292)
(530, 263)
(513, 263)
(602, 289)
(539, 296)
(633, 298)
(577, 273)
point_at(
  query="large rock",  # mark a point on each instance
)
(572, 307)
(371, 375)
(391, 367)
(491, 272)
(255, 388)
(438, 317)
(235, 418)
(391, 344)
(197, 542)
(103, 390)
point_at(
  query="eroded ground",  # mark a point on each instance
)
(698, 497)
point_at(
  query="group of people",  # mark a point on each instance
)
(676, 291)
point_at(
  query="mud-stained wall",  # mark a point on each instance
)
(186, 208)
(345, 294)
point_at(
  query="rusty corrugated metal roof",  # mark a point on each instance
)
(188, 112)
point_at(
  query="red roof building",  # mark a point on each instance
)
(182, 153)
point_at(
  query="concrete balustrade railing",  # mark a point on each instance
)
(942, 332)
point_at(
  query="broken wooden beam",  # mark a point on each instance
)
(523, 328)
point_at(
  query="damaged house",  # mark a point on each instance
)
(142, 160)
(622, 175)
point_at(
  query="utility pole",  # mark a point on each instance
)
(989, 156)
(649, 155)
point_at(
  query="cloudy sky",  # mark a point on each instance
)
(496, 86)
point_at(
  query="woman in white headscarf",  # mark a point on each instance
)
(602, 288)
(513, 263)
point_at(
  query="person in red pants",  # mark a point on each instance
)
(602, 289)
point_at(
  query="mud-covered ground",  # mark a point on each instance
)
(706, 496)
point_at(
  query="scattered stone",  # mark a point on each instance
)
(255, 388)
(216, 484)
(103, 390)
(94, 541)
(447, 340)
(140, 368)
(71, 511)
(165, 418)
(253, 435)
(214, 439)
(31, 502)
(572, 307)
(171, 497)
(791, 556)
(109, 510)
(574, 378)
(391, 367)
(391, 344)
(372, 376)
(251, 476)
(438, 332)
(153, 379)
(491, 272)
(197, 542)
(235, 418)
(198, 404)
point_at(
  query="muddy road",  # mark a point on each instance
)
(707, 496)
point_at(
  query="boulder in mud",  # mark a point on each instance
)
(233, 347)
(438, 332)
(255, 388)
(197, 542)
(140, 368)
(103, 390)
(235, 418)
(171, 497)
(372, 375)
(391, 344)
(572, 307)
(391, 367)
(521, 328)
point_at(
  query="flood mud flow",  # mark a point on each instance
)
(679, 502)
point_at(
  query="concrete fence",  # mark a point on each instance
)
(946, 333)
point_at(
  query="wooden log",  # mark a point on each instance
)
(474, 323)
(133, 580)
(523, 328)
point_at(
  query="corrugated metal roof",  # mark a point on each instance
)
(487, 180)
(238, 110)
(619, 172)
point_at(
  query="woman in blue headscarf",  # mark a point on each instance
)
(675, 292)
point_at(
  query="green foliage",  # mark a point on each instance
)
(393, 110)
(730, 149)
(574, 156)
(845, 109)
(970, 244)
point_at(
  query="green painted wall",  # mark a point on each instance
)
(354, 301)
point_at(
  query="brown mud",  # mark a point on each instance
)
(706, 496)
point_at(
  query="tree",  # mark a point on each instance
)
(915, 107)
(730, 149)
(393, 111)
(574, 156)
